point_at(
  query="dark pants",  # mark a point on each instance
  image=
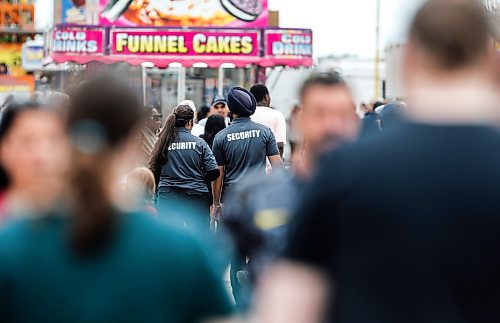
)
(190, 208)
(238, 263)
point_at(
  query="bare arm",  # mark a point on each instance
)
(291, 293)
(217, 187)
(276, 161)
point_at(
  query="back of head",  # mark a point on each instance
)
(215, 123)
(241, 102)
(451, 34)
(107, 104)
(259, 91)
(202, 112)
(189, 103)
(329, 79)
(103, 117)
(141, 182)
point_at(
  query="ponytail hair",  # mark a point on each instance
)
(179, 118)
(103, 116)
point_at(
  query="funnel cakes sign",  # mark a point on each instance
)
(184, 13)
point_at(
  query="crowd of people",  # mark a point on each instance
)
(111, 213)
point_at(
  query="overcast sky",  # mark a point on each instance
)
(348, 26)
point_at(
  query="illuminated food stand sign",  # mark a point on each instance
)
(163, 46)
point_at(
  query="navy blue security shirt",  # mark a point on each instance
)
(257, 214)
(189, 160)
(242, 148)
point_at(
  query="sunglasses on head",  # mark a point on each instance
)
(157, 117)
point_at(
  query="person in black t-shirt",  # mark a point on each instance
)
(418, 239)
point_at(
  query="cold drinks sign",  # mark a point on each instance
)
(71, 41)
(289, 43)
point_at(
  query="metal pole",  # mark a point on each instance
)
(144, 85)
(181, 84)
(220, 82)
(377, 54)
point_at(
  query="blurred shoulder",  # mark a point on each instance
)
(155, 232)
(13, 230)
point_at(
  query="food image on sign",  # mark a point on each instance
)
(246, 10)
(192, 13)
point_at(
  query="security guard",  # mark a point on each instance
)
(241, 150)
(183, 164)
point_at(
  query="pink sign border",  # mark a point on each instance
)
(261, 22)
(187, 61)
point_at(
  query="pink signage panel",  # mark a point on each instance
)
(289, 43)
(77, 41)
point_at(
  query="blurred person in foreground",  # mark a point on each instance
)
(150, 132)
(33, 156)
(94, 261)
(240, 150)
(424, 248)
(141, 185)
(294, 137)
(269, 117)
(259, 211)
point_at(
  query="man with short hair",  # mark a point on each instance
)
(424, 247)
(219, 106)
(267, 116)
(259, 211)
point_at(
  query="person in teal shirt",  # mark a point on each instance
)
(89, 260)
(148, 273)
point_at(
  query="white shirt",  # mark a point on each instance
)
(273, 119)
(197, 130)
